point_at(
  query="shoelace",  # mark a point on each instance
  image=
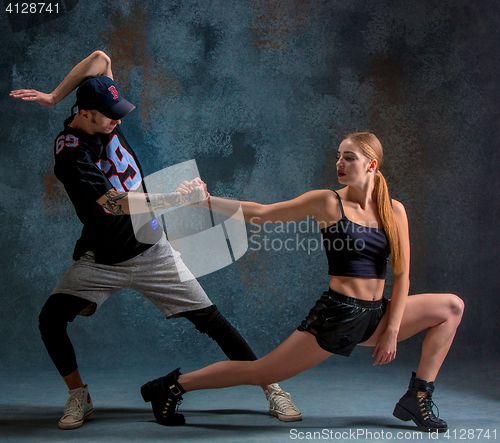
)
(167, 406)
(283, 400)
(73, 407)
(427, 403)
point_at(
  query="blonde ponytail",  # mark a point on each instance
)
(372, 149)
(382, 200)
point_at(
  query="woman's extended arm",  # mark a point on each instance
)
(97, 63)
(385, 349)
(310, 204)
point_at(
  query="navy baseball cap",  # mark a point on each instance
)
(100, 93)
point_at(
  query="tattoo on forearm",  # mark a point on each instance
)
(118, 202)
(112, 204)
(162, 201)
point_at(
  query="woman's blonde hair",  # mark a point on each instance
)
(372, 149)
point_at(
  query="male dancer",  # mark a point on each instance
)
(103, 178)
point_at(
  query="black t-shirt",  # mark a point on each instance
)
(89, 165)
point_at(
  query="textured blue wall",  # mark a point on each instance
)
(259, 93)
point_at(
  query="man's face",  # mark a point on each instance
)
(98, 123)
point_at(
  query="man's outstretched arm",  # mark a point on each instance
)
(120, 203)
(97, 63)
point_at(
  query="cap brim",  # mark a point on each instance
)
(118, 110)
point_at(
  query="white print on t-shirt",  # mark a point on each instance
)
(66, 140)
(117, 165)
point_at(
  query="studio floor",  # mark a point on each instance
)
(338, 403)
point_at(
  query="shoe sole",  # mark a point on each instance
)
(405, 415)
(286, 418)
(77, 424)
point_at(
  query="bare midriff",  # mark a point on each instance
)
(362, 288)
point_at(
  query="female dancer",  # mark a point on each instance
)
(361, 227)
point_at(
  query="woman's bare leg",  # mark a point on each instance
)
(440, 314)
(296, 354)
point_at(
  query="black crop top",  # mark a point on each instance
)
(354, 250)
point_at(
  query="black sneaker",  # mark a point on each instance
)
(419, 409)
(165, 395)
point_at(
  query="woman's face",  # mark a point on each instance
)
(352, 165)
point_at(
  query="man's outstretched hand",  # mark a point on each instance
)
(33, 95)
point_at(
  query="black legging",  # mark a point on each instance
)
(62, 308)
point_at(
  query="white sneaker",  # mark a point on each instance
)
(77, 409)
(280, 404)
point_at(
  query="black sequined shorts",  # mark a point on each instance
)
(340, 322)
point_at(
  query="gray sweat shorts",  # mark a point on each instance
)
(154, 274)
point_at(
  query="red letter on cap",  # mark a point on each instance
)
(114, 92)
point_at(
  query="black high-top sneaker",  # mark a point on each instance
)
(419, 409)
(165, 394)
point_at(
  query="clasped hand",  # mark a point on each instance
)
(197, 184)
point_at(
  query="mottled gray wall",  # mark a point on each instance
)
(259, 93)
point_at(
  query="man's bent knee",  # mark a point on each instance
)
(59, 309)
(209, 321)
